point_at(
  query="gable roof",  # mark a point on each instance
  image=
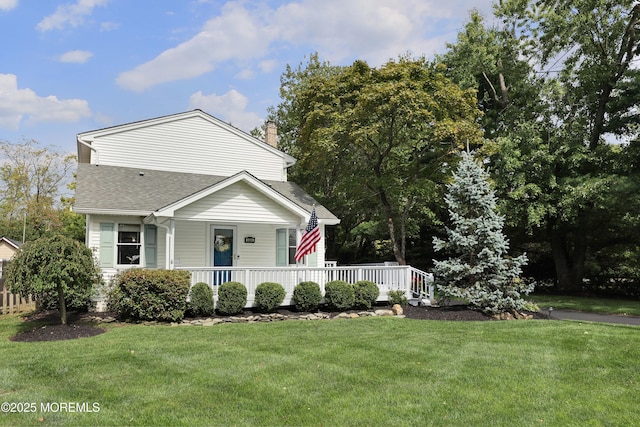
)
(14, 243)
(129, 191)
(85, 139)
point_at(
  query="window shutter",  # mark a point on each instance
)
(282, 247)
(107, 244)
(151, 246)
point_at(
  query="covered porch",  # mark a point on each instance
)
(413, 282)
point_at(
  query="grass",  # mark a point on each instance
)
(589, 304)
(359, 372)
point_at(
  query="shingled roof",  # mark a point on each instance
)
(120, 189)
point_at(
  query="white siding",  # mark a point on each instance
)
(263, 251)
(238, 202)
(192, 145)
(191, 244)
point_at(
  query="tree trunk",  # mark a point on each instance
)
(569, 253)
(62, 306)
(397, 249)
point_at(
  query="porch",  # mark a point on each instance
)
(412, 281)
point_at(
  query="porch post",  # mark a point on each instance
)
(171, 244)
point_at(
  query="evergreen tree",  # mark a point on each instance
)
(480, 270)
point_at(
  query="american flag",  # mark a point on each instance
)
(309, 239)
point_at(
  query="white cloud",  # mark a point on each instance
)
(109, 26)
(236, 34)
(373, 30)
(76, 56)
(229, 107)
(69, 15)
(19, 104)
(8, 4)
(268, 65)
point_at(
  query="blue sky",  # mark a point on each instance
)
(72, 66)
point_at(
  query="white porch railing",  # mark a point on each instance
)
(412, 281)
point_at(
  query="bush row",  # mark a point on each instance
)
(140, 294)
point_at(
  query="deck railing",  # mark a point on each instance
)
(413, 282)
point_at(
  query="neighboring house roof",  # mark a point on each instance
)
(130, 191)
(14, 243)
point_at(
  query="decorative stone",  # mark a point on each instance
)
(397, 309)
(383, 312)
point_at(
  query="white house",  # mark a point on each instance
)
(192, 192)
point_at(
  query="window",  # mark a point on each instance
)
(286, 239)
(292, 245)
(286, 245)
(128, 244)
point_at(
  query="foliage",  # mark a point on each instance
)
(31, 179)
(232, 297)
(397, 297)
(371, 142)
(55, 265)
(562, 373)
(307, 296)
(269, 296)
(557, 85)
(200, 300)
(480, 270)
(365, 293)
(339, 294)
(140, 294)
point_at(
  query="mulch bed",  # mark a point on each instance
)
(49, 329)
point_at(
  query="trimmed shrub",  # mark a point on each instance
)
(269, 296)
(339, 294)
(397, 297)
(200, 300)
(365, 293)
(140, 294)
(232, 297)
(307, 296)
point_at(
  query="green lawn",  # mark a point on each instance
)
(590, 304)
(367, 371)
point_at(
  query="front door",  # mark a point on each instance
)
(223, 252)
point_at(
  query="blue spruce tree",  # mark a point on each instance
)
(479, 269)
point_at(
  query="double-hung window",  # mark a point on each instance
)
(128, 244)
(122, 244)
(286, 245)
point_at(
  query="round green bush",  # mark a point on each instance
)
(307, 296)
(269, 296)
(232, 297)
(365, 293)
(200, 300)
(397, 297)
(141, 294)
(339, 294)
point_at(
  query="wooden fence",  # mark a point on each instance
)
(12, 303)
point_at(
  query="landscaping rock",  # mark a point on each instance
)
(384, 312)
(397, 309)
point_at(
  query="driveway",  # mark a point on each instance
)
(592, 317)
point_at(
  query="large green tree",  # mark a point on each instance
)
(372, 142)
(479, 268)
(567, 69)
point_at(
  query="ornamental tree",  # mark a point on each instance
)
(479, 269)
(53, 264)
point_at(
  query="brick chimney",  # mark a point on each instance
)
(271, 134)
